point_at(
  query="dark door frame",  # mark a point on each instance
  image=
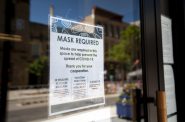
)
(5, 62)
(176, 10)
(152, 60)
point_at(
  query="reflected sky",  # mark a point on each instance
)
(77, 9)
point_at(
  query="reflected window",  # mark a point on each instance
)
(118, 32)
(112, 31)
(36, 50)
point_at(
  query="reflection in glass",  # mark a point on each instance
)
(29, 72)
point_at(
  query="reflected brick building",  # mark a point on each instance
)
(113, 25)
(35, 40)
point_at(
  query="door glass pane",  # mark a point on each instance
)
(113, 26)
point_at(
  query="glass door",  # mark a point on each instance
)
(73, 60)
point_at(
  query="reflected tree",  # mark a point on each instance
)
(36, 70)
(128, 51)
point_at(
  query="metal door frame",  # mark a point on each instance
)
(152, 61)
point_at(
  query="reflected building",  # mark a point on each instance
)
(34, 41)
(113, 25)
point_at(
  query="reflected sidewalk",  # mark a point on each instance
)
(30, 105)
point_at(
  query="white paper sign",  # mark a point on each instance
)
(167, 43)
(170, 89)
(76, 66)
